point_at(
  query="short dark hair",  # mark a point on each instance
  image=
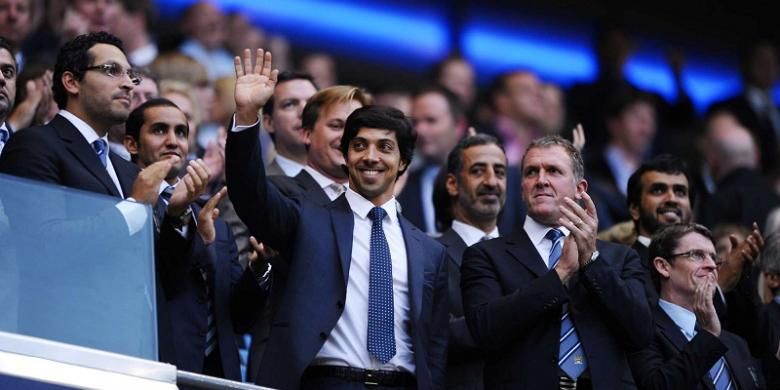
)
(285, 76)
(666, 241)
(386, 118)
(453, 101)
(455, 158)
(663, 163)
(626, 97)
(137, 118)
(7, 45)
(74, 57)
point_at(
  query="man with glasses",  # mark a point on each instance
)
(93, 86)
(689, 349)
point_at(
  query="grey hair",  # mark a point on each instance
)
(577, 165)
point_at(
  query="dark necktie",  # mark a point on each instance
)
(381, 335)
(3, 136)
(571, 357)
(101, 148)
(211, 325)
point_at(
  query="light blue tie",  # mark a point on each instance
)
(4, 135)
(381, 335)
(720, 375)
(101, 148)
(571, 357)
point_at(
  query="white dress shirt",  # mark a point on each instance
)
(327, 184)
(289, 167)
(470, 234)
(682, 317)
(347, 343)
(537, 232)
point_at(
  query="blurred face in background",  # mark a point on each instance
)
(100, 15)
(15, 20)
(206, 24)
(457, 75)
(634, 129)
(435, 126)
(521, 99)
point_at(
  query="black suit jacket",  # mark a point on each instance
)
(317, 240)
(300, 185)
(464, 361)
(513, 307)
(237, 300)
(770, 336)
(57, 153)
(672, 362)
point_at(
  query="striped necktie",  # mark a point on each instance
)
(381, 330)
(571, 357)
(101, 148)
(720, 375)
(211, 324)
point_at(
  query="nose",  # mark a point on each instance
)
(171, 140)
(371, 153)
(490, 178)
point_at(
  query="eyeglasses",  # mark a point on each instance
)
(116, 70)
(698, 256)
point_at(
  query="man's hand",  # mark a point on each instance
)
(569, 263)
(146, 188)
(254, 85)
(703, 307)
(746, 251)
(36, 107)
(260, 253)
(207, 215)
(583, 225)
(195, 182)
(214, 158)
(578, 137)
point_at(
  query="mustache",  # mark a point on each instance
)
(488, 191)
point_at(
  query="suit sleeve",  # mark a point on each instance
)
(652, 370)
(271, 217)
(620, 293)
(496, 319)
(27, 154)
(247, 296)
(439, 330)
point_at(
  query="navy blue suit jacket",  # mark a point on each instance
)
(513, 307)
(317, 240)
(672, 362)
(182, 302)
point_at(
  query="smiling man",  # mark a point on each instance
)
(365, 301)
(552, 306)
(689, 349)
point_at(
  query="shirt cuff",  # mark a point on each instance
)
(237, 129)
(134, 214)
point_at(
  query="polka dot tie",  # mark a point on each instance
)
(381, 337)
(571, 357)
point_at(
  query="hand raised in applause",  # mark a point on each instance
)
(195, 181)
(741, 252)
(582, 223)
(207, 215)
(254, 85)
(146, 188)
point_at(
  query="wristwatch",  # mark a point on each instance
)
(593, 258)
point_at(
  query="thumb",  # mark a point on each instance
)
(215, 214)
(734, 241)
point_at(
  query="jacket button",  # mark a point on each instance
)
(323, 335)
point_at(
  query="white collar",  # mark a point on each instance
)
(289, 167)
(322, 180)
(682, 317)
(644, 240)
(470, 234)
(362, 206)
(537, 232)
(86, 130)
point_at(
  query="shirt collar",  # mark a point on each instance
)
(470, 234)
(164, 184)
(644, 240)
(682, 317)
(322, 180)
(86, 130)
(362, 206)
(290, 167)
(537, 232)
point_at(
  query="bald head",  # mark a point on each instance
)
(730, 146)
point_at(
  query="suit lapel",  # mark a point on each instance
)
(455, 246)
(416, 265)
(669, 329)
(312, 188)
(342, 223)
(125, 172)
(523, 250)
(83, 152)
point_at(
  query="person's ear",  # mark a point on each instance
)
(663, 267)
(131, 145)
(452, 185)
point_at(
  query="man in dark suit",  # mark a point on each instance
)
(551, 311)
(769, 329)
(282, 120)
(205, 292)
(8, 71)
(476, 189)
(689, 350)
(658, 195)
(329, 329)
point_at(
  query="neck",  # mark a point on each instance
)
(298, 156)
(486, 226)
(100, 127)
(681, 300)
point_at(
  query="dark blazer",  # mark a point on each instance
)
(511, 217)
(182, 315)
(300, 185)
(57, 153)
(464, 361)
(317, 240)
(671, 362)
(742, 197)
(770, 336)
(513, 306)
(644, 259)
(610, 202)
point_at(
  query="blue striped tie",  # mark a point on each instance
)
(571, 357)
(101, 148)
(719, 373)
(211, 326)
(381, 335)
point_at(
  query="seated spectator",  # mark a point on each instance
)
(770, 321)
(203, 26)
(689, 349)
